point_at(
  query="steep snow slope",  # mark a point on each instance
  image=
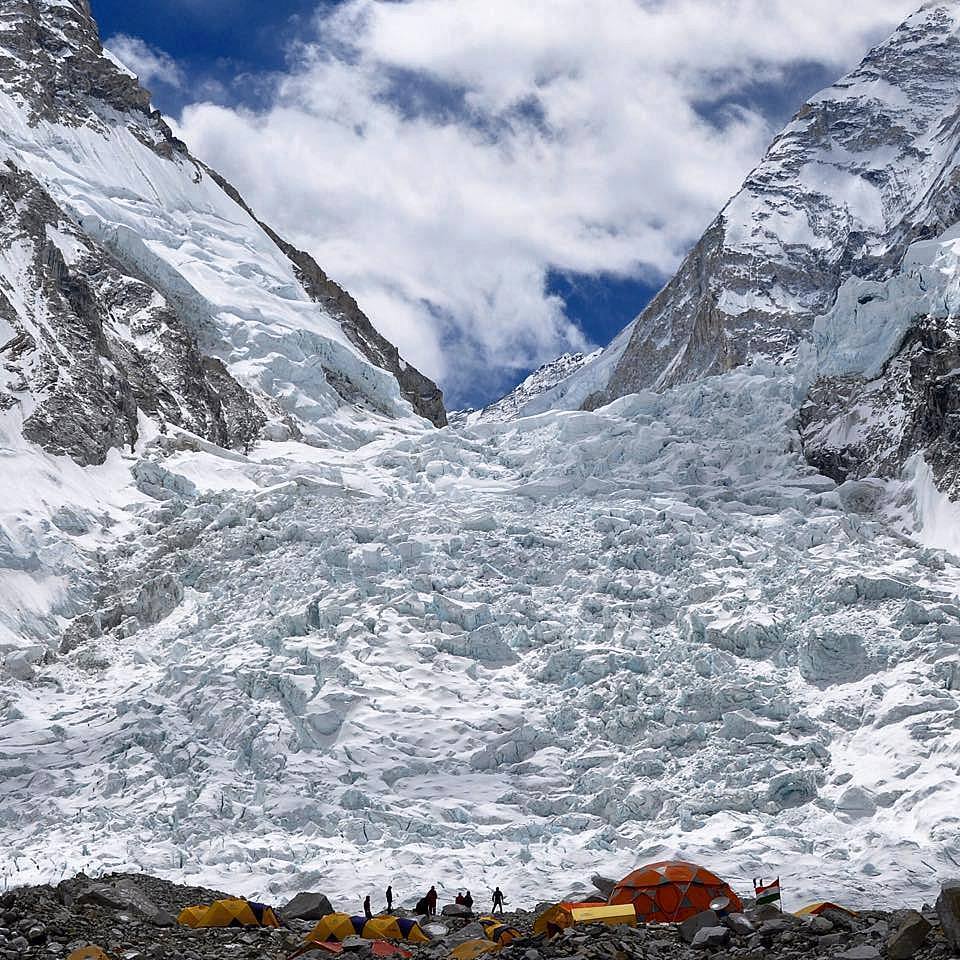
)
(524, 398)
(515, 652)
(865, 168)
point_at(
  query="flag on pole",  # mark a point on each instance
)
(766, 893)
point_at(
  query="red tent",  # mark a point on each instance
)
(671, 890)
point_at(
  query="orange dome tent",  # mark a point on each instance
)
(671, 890)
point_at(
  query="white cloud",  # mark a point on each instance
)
(439, 156)
(148, 63)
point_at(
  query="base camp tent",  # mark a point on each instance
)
(563, 915)
(497, 931)
(670, 891)
(229, 913)
(472, 949)
(815, 909)
(339, 926)
(379, 948)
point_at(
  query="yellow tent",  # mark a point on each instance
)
(339, 926)
(228, 913)
(497, 931)
(563, 915)
(815, 909)
(471, 949)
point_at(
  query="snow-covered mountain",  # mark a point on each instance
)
(262, 627)
(867, 167)
(135, 283)
(523, 399)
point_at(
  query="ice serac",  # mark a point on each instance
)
(864, 169)
(135, 283)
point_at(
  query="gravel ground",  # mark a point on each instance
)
(132, 917)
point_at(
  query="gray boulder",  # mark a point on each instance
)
(604, 884)
(706, 938)
(819, 926)
(456, 910)
(909, 937)
(307, 906)
(948, 910)
(471, 931)
(739, 924)
(699, 921)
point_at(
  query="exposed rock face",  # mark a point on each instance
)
(62, 83)
(93, 345)
(103, 320)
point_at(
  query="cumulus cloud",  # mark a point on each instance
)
(440, 157)
(148, 63)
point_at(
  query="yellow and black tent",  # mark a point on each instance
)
(228, 913)
(497, 931)
(339, 926)
(473, 949)
(563, 915)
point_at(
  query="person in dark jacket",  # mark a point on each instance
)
(498, 900)
(468, 900)
(431, 899)
(367, 912)
(390, 899)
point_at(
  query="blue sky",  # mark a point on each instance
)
(495, 183)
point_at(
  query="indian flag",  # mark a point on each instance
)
(766, 893)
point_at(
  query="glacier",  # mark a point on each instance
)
(531, 649)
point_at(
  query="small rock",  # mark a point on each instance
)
(864, 952)
(819, 926)
(775, 927)
(690, 926)
(766, 911)
(909, 937)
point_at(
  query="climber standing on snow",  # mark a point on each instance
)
(431, 899)
(390, 899)
(498, 900)
(367, 912)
